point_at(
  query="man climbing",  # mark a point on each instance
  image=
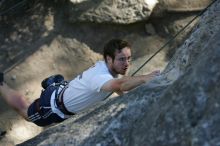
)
(60, 99)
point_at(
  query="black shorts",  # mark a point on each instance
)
(40, 112)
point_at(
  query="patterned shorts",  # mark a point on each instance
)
(40, 112)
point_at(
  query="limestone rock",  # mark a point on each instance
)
(128, 11)
(177, 6)
(186, 113)
(195, 44)
(182, 112)
(111, 11)
(185, 5)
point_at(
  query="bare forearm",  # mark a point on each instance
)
(132, 82)
(129, 83)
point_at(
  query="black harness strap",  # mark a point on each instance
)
(59, 101)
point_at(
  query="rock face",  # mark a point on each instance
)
(180, 107)
(128, 11)
(182, 6)
(111, 11)
(184, 58)
(187, 112)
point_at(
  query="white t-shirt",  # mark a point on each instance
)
(85, 90)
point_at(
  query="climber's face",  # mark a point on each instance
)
(121, 63)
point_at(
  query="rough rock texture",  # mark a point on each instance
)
(181, 6)
(184, 58)
(181, 110)
(185, 113)
(128, 11)
(112, 11)
(37, 40)
(186, 5)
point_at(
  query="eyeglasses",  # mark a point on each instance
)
(124, 59)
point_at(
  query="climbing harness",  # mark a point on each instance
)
(159, 50)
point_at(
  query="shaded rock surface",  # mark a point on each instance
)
(128, 11)
(181, 6)
(180, 107)
(120, 11)
(39, 40)
(202, 34)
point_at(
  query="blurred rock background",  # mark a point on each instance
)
(40, 38)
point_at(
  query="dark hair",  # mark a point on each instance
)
(113, 45)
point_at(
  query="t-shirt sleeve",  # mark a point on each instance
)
(98, 81)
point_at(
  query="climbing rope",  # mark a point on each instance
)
(13, 7)
(169, 41)
(4, 12)
(159, 50)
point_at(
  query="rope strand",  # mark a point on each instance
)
(16, 5)
(204, 10)
(159, 50)
(169, 41)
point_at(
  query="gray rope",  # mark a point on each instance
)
(173, 37)
(16, 5)
(159, 50)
